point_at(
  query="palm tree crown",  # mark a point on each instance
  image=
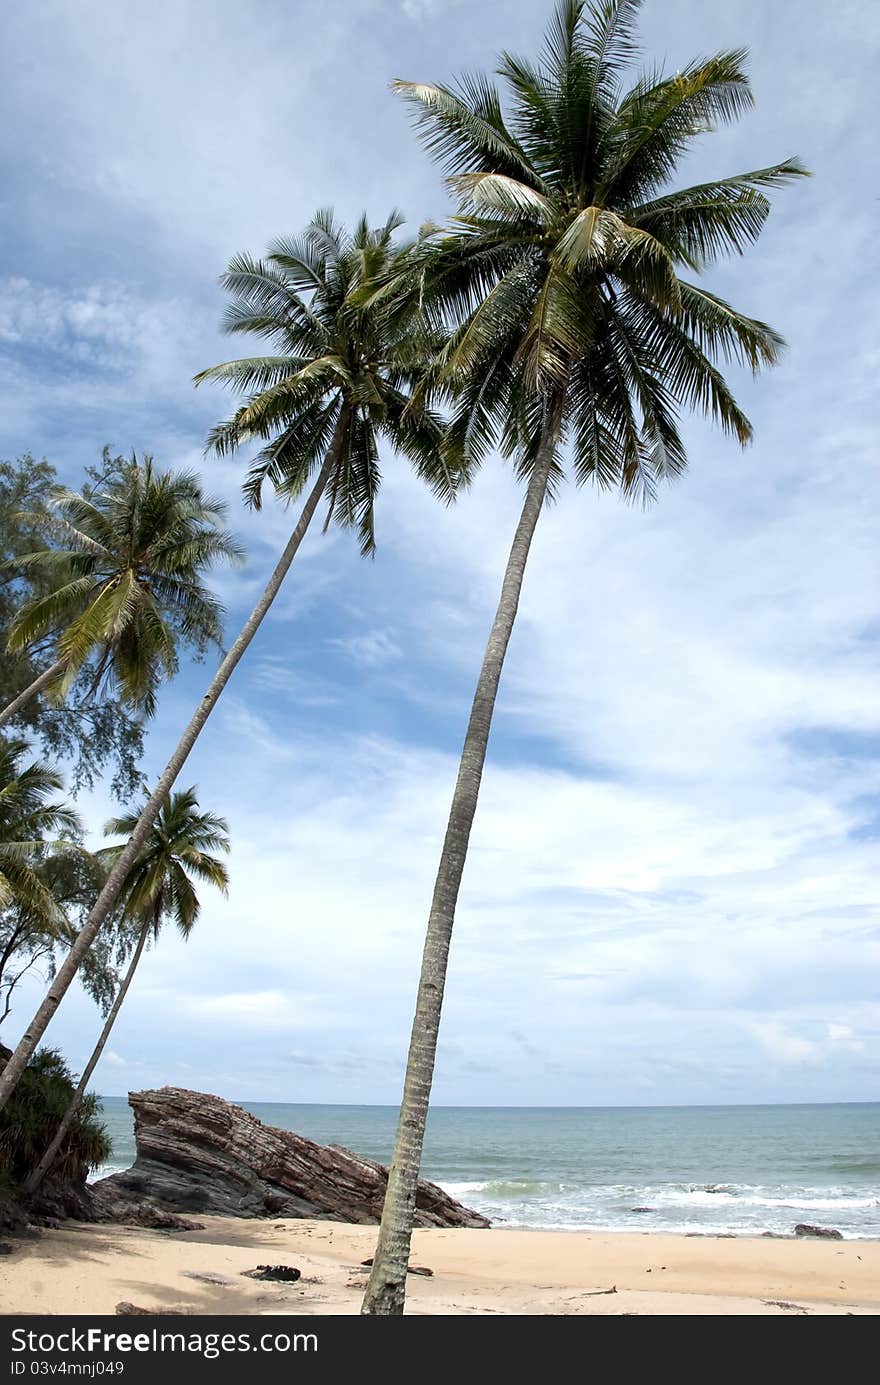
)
(126, 580)
(28, 812)
(565, 261)
(352, 349)
(159, 884)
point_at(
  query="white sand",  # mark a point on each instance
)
(83, 1269)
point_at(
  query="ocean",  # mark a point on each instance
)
(711, 1169)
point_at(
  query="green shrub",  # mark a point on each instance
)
(32, 1116)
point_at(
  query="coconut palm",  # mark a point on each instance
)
(352, 354)
(566, 264)
(29, 819)
(157, 887)
(124, 584)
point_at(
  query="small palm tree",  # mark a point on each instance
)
(125, 584)
(350, 359)
(29, 821)
(353, 358)
(564, 265)
(158, 886)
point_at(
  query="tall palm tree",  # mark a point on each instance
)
(158, 886)
(125, 584)
(29, 820)
(352, 354)
(565, 264)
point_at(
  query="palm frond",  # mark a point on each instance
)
(699, 223)
(466, 135)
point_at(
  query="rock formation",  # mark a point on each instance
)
(828, 1233)
(198, 1153)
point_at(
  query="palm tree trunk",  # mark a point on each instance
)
(35, 1179)
(103, 904)
(11, 708)
(386, 1288)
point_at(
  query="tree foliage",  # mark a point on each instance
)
(349, 339)
(159, 884)
(48, 881)
(29, 1121)
(120, 577)
(91, 736)
(567, 273)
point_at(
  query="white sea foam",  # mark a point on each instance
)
(105, 1170)
(681, 1208)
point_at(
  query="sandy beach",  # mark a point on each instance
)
(85, 1269)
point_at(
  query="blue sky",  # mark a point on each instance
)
(672, 891)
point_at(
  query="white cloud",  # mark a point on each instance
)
(258, 1011)
(783, 1045)
(371, 649)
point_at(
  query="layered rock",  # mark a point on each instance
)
(198, 1153)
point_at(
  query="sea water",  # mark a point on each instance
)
(709, 1169)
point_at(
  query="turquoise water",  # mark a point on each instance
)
(741, 1169)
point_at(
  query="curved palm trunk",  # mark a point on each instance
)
(386, 1288)
(45, 678)
(35, 1179)
(103, 904)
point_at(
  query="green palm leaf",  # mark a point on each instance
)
(348, 312)
(140, 539)
(159, 883)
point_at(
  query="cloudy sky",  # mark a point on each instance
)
(672, 892)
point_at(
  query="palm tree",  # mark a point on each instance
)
(353, 356)
(27, 814)
(124, 585)
(564, 264)
(352, 352)
(157, 886)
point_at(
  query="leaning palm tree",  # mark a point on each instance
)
(565, 265)
(158, 886)
(124, 579)
(352, 354)
(30, 818)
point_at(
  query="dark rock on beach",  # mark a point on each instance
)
(198, 1153)
(283, 1274)
(115, 1208)
(57, 1200)
(827, 1233)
